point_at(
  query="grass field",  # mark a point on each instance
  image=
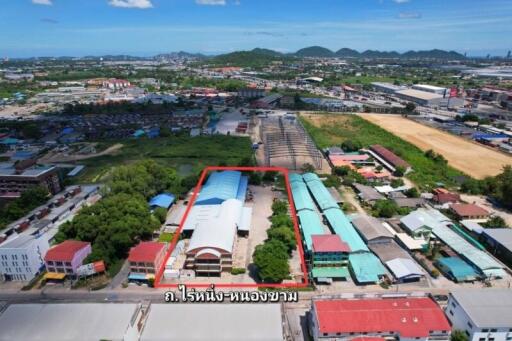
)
(188, 155)
(332, 129)
(469, 157)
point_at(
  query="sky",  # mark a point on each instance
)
(31, 28)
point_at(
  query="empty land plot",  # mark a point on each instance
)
(471, 158)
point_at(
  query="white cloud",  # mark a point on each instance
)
(409, 15)
(211, 2)
(42, 2)
(131, 3)
(400, 1)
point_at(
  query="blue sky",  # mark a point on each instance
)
(147, 27)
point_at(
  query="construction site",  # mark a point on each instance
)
(287, 144)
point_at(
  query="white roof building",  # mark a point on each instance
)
(182, 322)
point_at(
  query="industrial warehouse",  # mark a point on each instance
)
(227, 220)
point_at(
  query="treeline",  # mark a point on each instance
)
(114, 108)
(29, 199)
(498, 187)
(271, 257)
(122, 218)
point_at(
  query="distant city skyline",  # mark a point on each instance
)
(32, 28)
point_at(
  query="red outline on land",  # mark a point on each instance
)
(237, 285)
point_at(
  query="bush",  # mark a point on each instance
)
(161, 214)
(412, 193)
(238, 271)
(385, 208)
(399, 171)
(397, 183)
(351, 145)
(279, 207)
(255, 178)
(341, 171)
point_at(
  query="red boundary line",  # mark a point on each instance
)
(237, 285)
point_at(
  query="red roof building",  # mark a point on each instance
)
(389, 157)
(329, 243)
(67, 256)
(446, 197)
(147, 257)
(469, 211)
(411, 318)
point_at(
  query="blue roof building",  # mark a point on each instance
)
(366, 267)
(164, 200)
(139, 133)
(222, 186)
(456, 269)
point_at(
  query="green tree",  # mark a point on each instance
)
(458, 335)
(269, 176)
(399, 171)
(308, 168)
(385, 208)
(410, 107)
(279, 220)
(271, 261)
(495, 222)
(341, 171)
(255, 178)
(397, 183)
(279, 207)
(284, 234)
(412, 193)
(161, 214)
(351, 145)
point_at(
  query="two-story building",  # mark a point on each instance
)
(66, 257)
(145, 259)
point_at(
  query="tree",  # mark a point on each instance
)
(385, 208)
(351, 145)
(284, 234)
(308, 168)
(279, 220)
(271, 261)
(495, 222)
(341, 171)
(458, 335)
(161, 214)
(399, 171)
(255, 178)
(397, 183)
(269, 176)
(410, 107)
(412, 193)
(279, 207)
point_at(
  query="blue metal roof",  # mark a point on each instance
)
(301, 197)
(457, 268)
(343, 228)
(366, 267)
(222, 186)
(321, 195)
(310, 224)
(164, 200)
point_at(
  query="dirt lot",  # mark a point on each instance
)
(471, 158)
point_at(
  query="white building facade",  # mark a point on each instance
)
(22, 257)
(483, 314)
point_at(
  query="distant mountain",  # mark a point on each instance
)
(315, 51)
(267, 52)
(180, 54)
(347, 53)
(256, 57)
(432, 54)
(318, 51)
